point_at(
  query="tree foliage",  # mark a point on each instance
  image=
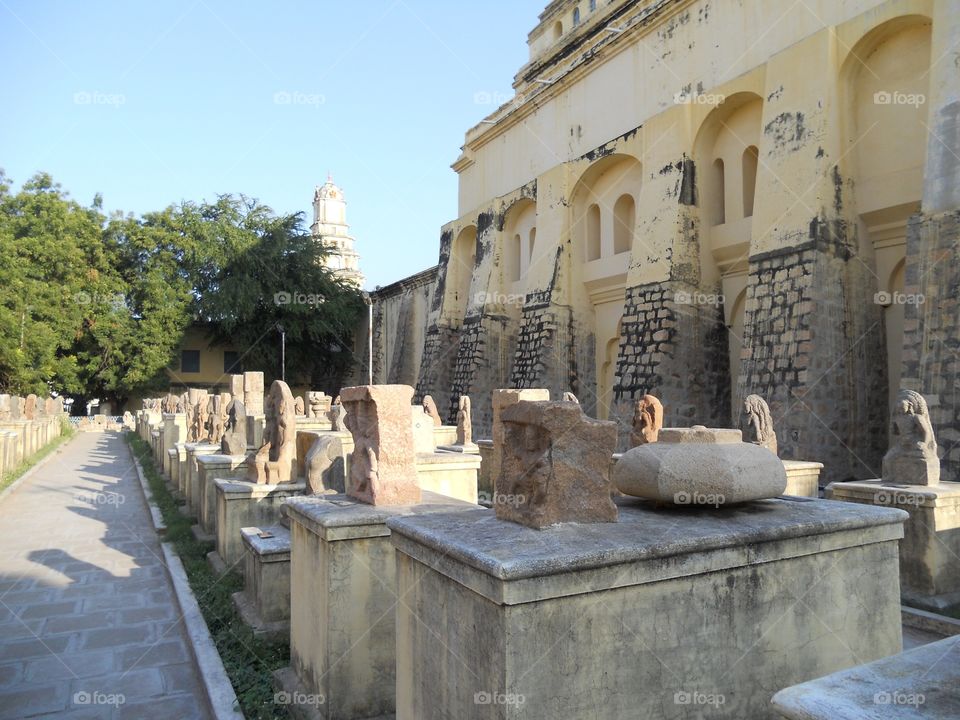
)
(97, 307)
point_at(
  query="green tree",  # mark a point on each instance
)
(265, 271)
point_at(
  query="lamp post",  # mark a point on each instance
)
(283, 352)
(369, 301)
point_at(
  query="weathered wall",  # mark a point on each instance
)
(706, 219)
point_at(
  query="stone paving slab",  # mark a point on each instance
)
(89, 622)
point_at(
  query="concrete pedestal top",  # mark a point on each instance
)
(919, 683)
(510, 563)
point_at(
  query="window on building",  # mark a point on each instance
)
(533, 241)
(750, 159)
(231, 362)
(593, 232)
(624, 215)
(718, 210)
(593, 5)
(190, 361)
(557, 30)
(514, 259)
(576, 16)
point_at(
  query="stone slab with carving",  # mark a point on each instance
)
(253, 393)
(556, 466)
(756, 423)
(325, 466)
(234, 441)
(700, 466)
(273, 462)
(383, 465)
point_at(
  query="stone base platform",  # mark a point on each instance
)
(448, 473)
(803, 478)
(919, 683)
(244, 504)
(264, 602)
(343, 601)
(930, 549)
(670, 613)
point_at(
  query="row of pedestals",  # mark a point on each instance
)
(19, 439)
(440, 610)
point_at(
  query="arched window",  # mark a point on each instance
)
(576, 16)
(533, 240)
(557, 30)
(593, 232)
(750, 157)
(593, 5)
(514, 259)
(717, 204)
(624, 214)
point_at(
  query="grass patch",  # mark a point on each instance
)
(11, 476)
(249, 661)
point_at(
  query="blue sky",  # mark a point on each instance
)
(150, 103)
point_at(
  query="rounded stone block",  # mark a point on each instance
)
(700, 472)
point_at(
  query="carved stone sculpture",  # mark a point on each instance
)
(317, 404)
(556, 466)
(298, 408)
(383, 465)
(253, 393)
(757, 423)
(570, 397)
(169, 404)
(273, 462)
(430, 407)
(236, 386)
(197, 415)
(234, 440)
(5, 412)
(324, 465)
(912, 457)
(647, 421)
(464, 422)
(337, 413)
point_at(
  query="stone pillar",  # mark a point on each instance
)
(253, 393)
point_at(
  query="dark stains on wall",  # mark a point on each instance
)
(787, 131)
(608, 148)
(446, 245)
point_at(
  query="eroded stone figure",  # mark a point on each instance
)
(234, 441)
(430, 407)
(383, 463)
(464, 421)
(336, 414)
(30, 407)
(570, 397)
(757, 423)
(273, 462)
(298, 408)
(912, 457)
(325, 466)
(556, 466)
(647, 420)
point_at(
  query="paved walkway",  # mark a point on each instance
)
(89, 623)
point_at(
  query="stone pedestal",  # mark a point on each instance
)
(19, 442)
(244, 504)
(451, 474)
(668, 613)
(314, 424)
(444, 435)
(264, 602)
(178, 469)
(485, 480)
(209, 469)
(803, 478)
(255, 426)
(174, 431)
(193, 488)
(342, 603)
(918, 683)
(930, 550)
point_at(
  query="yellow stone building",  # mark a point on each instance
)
(703, 200)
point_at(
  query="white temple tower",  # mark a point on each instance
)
(330, 226)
